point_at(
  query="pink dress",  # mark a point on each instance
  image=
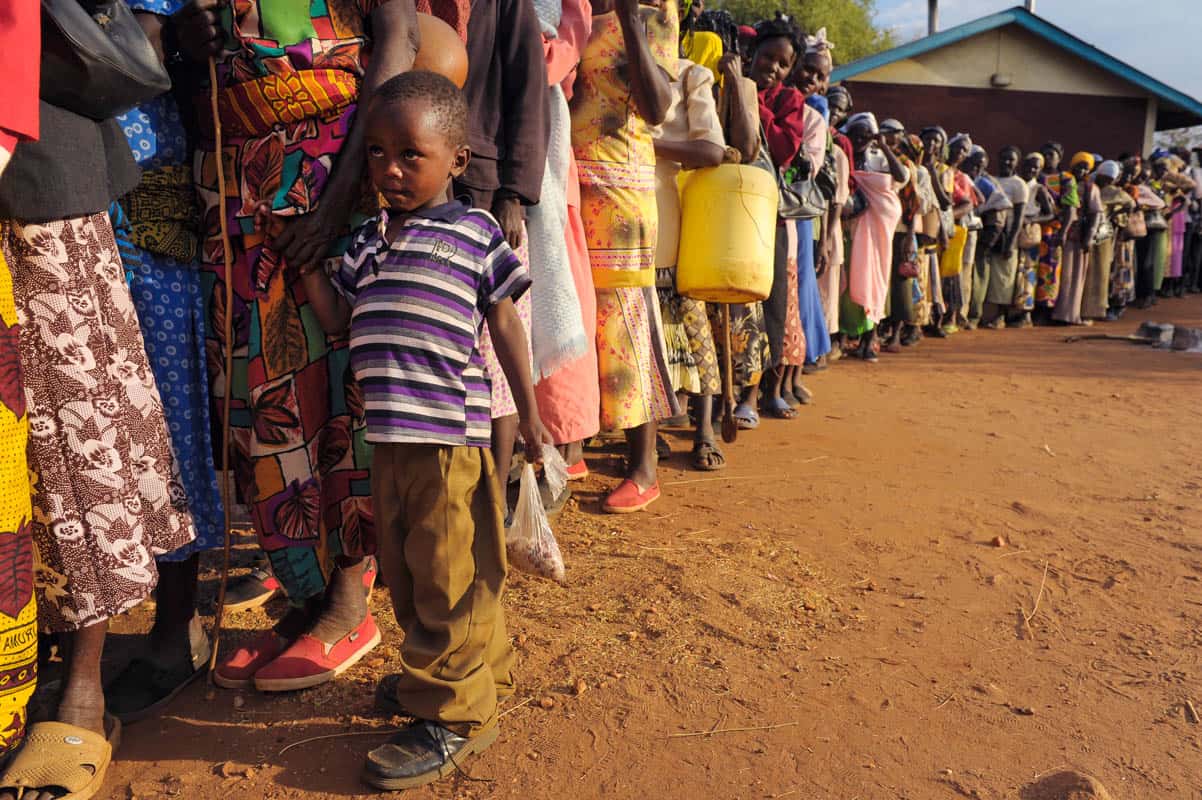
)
(872, 243)
(1177, 253)
(569, 400)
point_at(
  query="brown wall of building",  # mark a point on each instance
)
(995, 118)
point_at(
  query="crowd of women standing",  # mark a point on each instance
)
(124, 349)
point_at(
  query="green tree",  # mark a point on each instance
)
(848, 23)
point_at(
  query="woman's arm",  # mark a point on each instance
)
(331, 309)
(693, 154)
(648, 83)
(896, 168)
(941, 195)
(742, 132)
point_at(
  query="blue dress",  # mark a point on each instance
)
(170, 309)
(813, 317)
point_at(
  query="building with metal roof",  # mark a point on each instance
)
(1015, 78)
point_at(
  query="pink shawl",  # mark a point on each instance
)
(872, 243)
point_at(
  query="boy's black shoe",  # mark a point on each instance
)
(421, 754)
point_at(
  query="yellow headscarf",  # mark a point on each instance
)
(705, 49)
(1082, 158)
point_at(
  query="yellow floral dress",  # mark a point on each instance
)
(615, 154)
(18, 610)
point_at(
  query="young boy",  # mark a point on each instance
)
(415, 287)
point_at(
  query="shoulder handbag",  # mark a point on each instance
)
(1104, 231)
(1136, 227)
(801, 196)
(1030, 235)
(1154, 220)
(96, 60)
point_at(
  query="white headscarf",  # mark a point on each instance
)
(818, 43)
(862, 118)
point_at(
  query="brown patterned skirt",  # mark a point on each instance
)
(106, 492)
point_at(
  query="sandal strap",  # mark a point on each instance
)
(56, 754)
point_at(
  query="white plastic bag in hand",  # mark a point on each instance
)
(529, 542)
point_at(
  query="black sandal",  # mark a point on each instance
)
(707, 457)
(144, 688)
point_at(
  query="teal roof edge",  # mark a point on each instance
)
(1036, 25)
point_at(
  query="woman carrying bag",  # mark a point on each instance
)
(106, 493)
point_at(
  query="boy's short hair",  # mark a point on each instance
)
(448, 102)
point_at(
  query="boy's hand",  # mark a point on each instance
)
(266, 223)
(534, 436)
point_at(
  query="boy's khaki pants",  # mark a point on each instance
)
(442, 553)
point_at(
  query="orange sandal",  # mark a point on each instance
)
(578, 471)
(628, 498)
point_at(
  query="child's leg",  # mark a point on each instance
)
(446, 553)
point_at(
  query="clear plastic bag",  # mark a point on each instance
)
(529, 542)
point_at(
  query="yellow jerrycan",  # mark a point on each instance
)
(727, 233)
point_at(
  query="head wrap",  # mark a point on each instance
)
(864, 118)
(1082, 158)
(1158, 154)
(746, 32)
(1110, 169)
(915, 146)
(934, 129)
(961, 138)
(892, 126)
(818, 42)
(704, 49)
(976, 150)
(1037, 157)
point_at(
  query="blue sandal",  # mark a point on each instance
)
(779, 408)
(746, 416)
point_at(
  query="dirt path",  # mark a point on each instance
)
(838, 582)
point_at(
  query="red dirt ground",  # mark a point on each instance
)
(839, 589)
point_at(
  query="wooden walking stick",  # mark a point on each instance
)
(229, 363)
(730, 425)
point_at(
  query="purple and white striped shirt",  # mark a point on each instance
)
(418, 307)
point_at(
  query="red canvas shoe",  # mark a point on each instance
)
(578, 471)
(238, 671)
(310, 662)
(627, 498)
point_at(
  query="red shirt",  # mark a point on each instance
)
(20, 64)
(782, 113)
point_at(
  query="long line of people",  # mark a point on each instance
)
(394, 176)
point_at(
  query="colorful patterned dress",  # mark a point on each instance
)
(1063, 188)
(616, 158)
(288, 85)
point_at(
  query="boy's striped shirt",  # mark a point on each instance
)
(418, 307)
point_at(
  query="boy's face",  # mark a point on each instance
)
(409, 158)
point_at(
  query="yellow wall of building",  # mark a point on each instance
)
(1033, 64)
